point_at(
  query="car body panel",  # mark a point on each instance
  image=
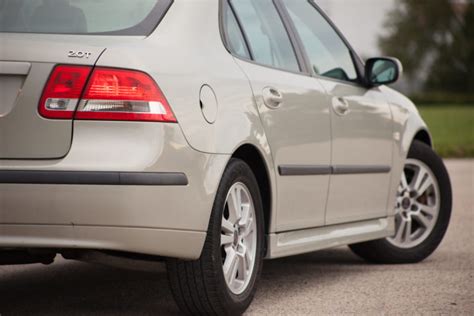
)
(362, 138)
(407, 123)
(152, 241)
(182, 55)
(295, 140)
(181, 75)
(308, 240)
(182, 61)
(24, 134)
(112, 146)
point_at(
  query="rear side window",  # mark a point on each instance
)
(267, 37)
(234, 37)
(120, 17)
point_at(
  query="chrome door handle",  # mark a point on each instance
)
(340, 106)
(272, 98)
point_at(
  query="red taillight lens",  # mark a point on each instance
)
(109, 94)
(63, 91)
(127, 95)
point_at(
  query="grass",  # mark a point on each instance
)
(452, 128)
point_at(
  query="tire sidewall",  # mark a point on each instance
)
(236, 171)
(424, 153)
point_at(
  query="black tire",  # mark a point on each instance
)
(382, 251)
(199, 287)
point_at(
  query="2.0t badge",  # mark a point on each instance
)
(78, 54)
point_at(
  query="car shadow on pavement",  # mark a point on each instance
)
(323, 268)
(76, 288)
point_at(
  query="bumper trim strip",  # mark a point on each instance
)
(93, 178)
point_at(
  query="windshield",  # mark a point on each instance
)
(121, 17)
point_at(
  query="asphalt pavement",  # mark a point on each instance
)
(331, 282)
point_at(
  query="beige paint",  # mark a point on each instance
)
(295, 139)
(361, 137)
(162, 242)
(378, 130)
(308, 240)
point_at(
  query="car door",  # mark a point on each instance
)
(293, 110)
(361, 120)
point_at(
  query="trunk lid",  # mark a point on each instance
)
(35, 36)
(26, 62)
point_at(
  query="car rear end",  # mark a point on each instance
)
(91, 154)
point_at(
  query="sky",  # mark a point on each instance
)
(361, 21)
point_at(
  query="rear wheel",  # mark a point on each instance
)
(223, 280)
(424, 201)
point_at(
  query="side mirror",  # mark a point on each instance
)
(382, 70)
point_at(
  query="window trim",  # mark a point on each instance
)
(145, 28)
(298, 53)
(239, 24)
(356, 60)
(294, 37)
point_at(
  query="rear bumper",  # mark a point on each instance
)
(132, 187)
(162, 220)
(153, 241)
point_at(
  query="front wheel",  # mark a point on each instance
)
(423, 211)
(223, 280)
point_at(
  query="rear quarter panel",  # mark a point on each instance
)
(184, 53)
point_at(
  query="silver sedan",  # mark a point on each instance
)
(211, 134)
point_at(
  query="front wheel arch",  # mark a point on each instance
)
(383, 251)
(423, 136)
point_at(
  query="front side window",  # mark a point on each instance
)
(137, 17)
(266, 34)
(328, 54)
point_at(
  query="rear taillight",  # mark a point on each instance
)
(117, 94)
(63, 91)
(109, 94)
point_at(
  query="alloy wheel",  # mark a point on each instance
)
(238, 238)
(418, 205)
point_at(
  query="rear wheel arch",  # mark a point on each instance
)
(255, 160)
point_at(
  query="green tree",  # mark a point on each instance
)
(434, 38)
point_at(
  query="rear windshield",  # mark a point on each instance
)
(120, 17)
